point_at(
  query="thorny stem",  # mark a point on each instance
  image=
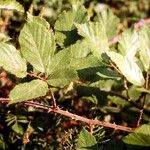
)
(75, 117)
(143, 100)
(79, 118)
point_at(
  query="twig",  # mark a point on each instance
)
(141, 23)
(73, 116)
(143, 100)
(53, 98)
(80, 118)
(4, 100)
(32, 74)
(5, 23)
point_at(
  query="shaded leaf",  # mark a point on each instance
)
(17, 128)
(86, 141)
(12, 61)
(66, 33)
(37, 45)
(26, 91)
(140, 136)
(11, 5)
(95, 35)
(106, 73)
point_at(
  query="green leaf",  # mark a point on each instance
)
(60, 60)
(144, 36)
(129, 44)
(26, 91)
(140, 136)
(95, 35)
(38, 19)
(62, 77)
(86, 62)
(11, 5)
(106, 73)
(128, 68)
(12, 61)
(4, 37)
(66, 33)
(37, 45)
(103, 85)
(80, 49)
(142, 89)
(110, 22)
(86, 141)
(18, 128)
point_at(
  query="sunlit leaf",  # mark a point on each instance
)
(140, 136)
(11, 5)
(144, 36)
(110, 22)
(129, 44)
(37, 45)
(128, 68)
(27, 91)
(80, 49)
(95, 35)
(39, 20)
(11, 60)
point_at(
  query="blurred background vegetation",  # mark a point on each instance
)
(51, 131)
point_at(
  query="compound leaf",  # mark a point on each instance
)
(27, 91)
(12, 61)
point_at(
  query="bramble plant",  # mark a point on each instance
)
(84, 56)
